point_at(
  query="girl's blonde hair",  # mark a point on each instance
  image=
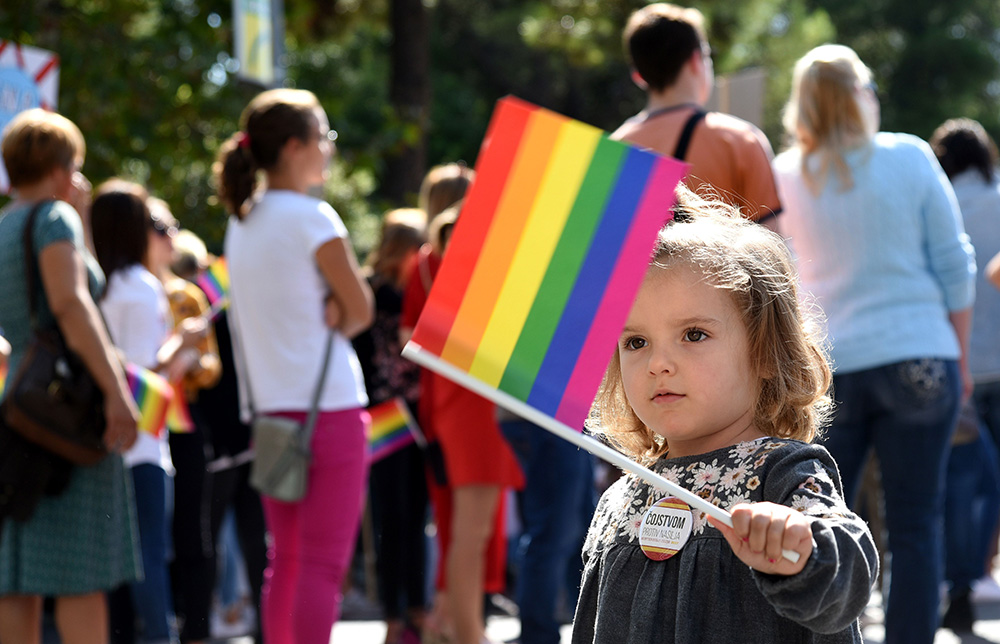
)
(443, 186)
(403, 231)
(786, 354)
(824, 115)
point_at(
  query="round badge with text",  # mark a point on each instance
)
(665, 528)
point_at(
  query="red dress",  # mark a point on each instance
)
(464, 425)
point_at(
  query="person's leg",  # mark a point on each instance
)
(330, 515)
(472, 525)
(920, 402)
(21, 619)
(277, 601)
(986, 397)
(415, 544)
(848, 438)
(151, 596)
(961, 537)
(82, 619)
(551, 500)
(389, 503)
(251, 529)
(191, 570)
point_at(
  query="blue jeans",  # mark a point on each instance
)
(972, 501)
(558, 482)
(907, 411)
(151, 597)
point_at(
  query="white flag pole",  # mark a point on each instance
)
(416, 353)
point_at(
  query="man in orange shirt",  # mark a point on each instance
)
(671, 60)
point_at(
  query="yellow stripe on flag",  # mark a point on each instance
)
(556, 196)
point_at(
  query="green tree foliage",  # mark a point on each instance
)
(155, 91)
(932, 60)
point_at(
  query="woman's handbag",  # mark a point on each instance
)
(52, 400)
(280, 466)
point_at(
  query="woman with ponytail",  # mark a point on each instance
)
(293, 277)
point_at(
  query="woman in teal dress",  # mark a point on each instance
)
(81, 543)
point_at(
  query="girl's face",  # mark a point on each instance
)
(319, 150)
(161, 245)
(685, 363)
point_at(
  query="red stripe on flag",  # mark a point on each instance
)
(499, 149)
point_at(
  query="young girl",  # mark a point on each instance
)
(293, 277)
(718, 385)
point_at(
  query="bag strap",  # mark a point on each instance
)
(31, 271)
(685, 139)
(310, 425)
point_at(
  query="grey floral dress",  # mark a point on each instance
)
(704, 594)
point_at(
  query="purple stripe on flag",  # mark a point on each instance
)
(633, 262)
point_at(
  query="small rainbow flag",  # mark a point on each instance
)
(3, 379)
(544, 262)
(178, 413)
(214, 280)
(393, 428)
(152, 394)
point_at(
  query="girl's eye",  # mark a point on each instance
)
(695, 335)
(634, 343)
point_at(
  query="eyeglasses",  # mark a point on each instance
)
(163, 229)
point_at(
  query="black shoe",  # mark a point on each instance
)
(959, 617)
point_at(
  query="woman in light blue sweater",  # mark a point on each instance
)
(879, 243)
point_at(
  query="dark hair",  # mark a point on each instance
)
(267, 123)
(120, 222)
(960, 144)
(659, 39)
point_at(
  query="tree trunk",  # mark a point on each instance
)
(410, 95)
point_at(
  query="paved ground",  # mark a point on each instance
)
(506, 629)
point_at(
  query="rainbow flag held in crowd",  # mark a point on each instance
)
(544, 263)
(3, 379)
(153, 395)
(393, 428)
(541, 272)
(214, 280)
(178, 413)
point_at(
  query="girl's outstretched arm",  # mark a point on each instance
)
(832, 589)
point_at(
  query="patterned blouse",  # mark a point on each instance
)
(705, 594)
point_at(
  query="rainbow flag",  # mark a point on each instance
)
(393, 428)
(178, 414)
(3, 379)
(544, 263)
(152, 394)
(214, 280)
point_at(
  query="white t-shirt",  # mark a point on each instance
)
(137, 313)
(277, 295)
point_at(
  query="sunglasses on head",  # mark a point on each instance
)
(163, 229)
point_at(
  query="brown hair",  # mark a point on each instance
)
(753, 264)
(268, 122)
(120, 223)
(403, 230)
(36, 142)
(659, 39)
(960, 144)
(443, 186)
(824, 115)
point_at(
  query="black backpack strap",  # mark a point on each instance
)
(685, 139)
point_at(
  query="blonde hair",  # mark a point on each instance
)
(443, 186)
(403, 230)
(36, 142)
(190, 255)
(786, 354)
(824, 115)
